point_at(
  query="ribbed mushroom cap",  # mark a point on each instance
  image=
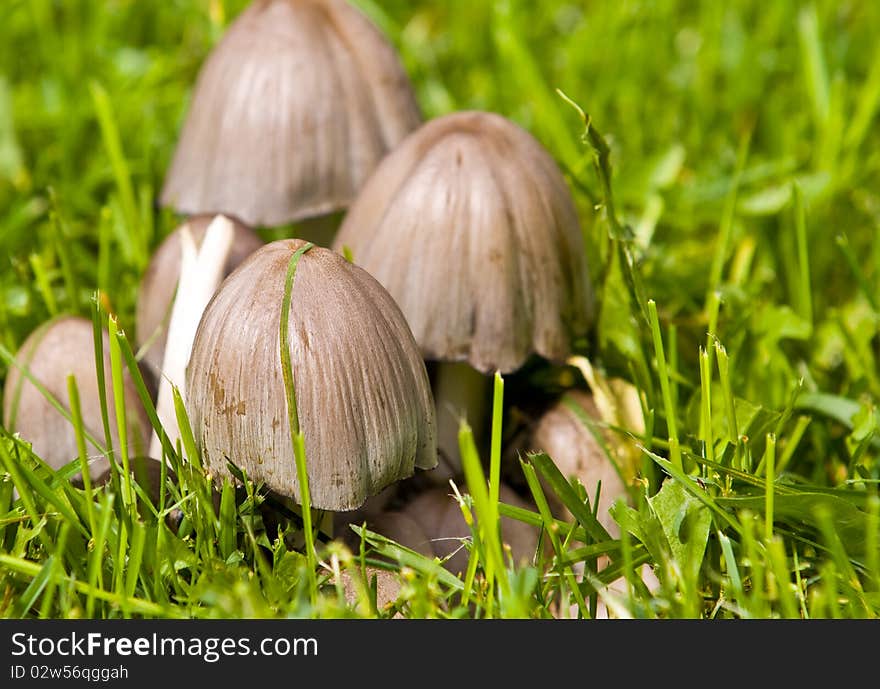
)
(470, 226)
(291, 111)
(58, 348)
(569, 442)
(362, 391)
(158, 285)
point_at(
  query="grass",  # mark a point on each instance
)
(723, 157)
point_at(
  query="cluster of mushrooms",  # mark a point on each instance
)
(460, 254)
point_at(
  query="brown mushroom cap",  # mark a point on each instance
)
(158, 285)
(362, 391)
(291, 112)
(470, 226)
(574, 449)
(58, 348)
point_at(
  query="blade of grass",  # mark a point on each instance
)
(780, 574)
(723, 362)
(121, 172)
(128, 496)
(96, 556)
(44, 284)
(563, 490)
(706, 406)
(815, 72)
(866, 108)
(135, 558)
(98, 335)
(408, 558)
(77, 420)
(55, 567)
(297, 438)
(769, 463)
(137, 605)
(487, 514)
(728, 213)
(663, 374)
(805, 292)
(495, 448)
(842, 242)
(549, 527)
(791, 443)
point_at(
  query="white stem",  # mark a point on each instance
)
(201, 271)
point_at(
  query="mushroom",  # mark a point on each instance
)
(291, 111)
(55, 350)
(439, 515)
(362, 393)
(470, 226)
(563, 434)
(159, 283)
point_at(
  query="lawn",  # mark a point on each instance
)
(724, 159)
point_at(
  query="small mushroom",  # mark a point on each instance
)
(470, 226)
(362, 392)
(55, 350)
(159, 283)
(562, 432)
(439, 515)
(291, 111)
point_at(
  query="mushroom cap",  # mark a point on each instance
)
(159, 283)
(571, 445)
(470, 226)
(291, 112)
(362, 391)
(58, 348)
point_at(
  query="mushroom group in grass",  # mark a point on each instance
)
(470, 226)
(360, 392)
(292, 110)
(63, 347)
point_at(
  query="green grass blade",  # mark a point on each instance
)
(76, 419)
(486, 513)
(566, 494)
(297, 439)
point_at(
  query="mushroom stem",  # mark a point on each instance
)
(460, 392)
(201, 271)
